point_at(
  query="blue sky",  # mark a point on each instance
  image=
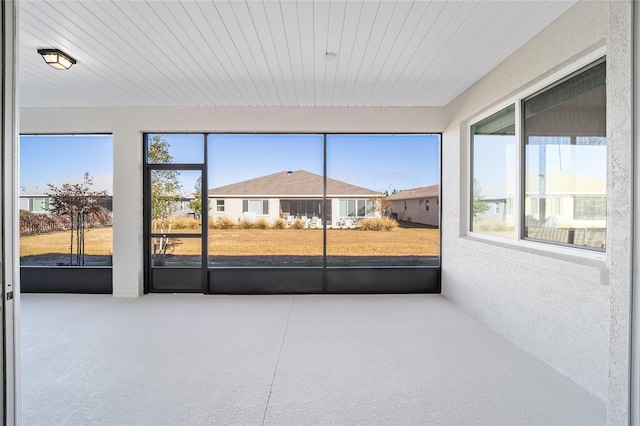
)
(52, 159)
(378, 162)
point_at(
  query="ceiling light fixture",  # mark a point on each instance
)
(330, 56)
(57, 59)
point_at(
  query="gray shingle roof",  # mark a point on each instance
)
(295, 183)
(422, 192)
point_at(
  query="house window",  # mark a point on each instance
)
(259, 207)
(405, 205)
(565, 158)
(493, 152)
(562, 194)
(426, 203)
(356, 208)
(38, 204)
(219, 206)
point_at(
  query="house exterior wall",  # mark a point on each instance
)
(232, 209)
(557, 306)
(416, 210)
(24, 203)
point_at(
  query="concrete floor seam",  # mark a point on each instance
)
(275, 370)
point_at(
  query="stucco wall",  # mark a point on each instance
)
(128, 125)
(417, 212)
(555, 306)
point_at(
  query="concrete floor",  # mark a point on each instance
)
(281, 360)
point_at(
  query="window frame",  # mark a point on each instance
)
(517, 100)
(368, 205)
(264, 202)
(44, 203)
(220, 206)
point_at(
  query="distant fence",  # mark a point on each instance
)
(41, 223)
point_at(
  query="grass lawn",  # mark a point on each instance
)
(235, 247)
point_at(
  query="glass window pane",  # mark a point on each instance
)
(170, 252)
(565, 162)
(493, 151)
(174, 148)
(370, 180)
(343, 208)
(272, 189)
(66, 192)
(176, 201)
(351, 208)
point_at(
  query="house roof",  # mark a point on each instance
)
(422, 192)
(299, 183)
(100, 183)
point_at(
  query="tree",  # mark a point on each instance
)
(479, 205)
(166, 194)
(196, 203)
(381, 204)
(79, 203)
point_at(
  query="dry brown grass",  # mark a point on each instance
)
(259, 242)
(340, 242)
(98, 241)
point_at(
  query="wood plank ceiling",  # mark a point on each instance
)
(269, 53)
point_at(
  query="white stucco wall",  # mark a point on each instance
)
(555, 306)
(416, 212)
(128, 125)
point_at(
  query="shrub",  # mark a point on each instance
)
(279, 224)
(378, 224)
(297, 224)
(246, 224)
(185, 222)
(222, 223)
(261, 224)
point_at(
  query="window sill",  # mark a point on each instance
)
(588, 265)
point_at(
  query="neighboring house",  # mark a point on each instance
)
(293, 194)
(419, 205)
(34, 199)
(497, 209)
(568, 200)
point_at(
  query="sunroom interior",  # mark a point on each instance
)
(555, 283)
